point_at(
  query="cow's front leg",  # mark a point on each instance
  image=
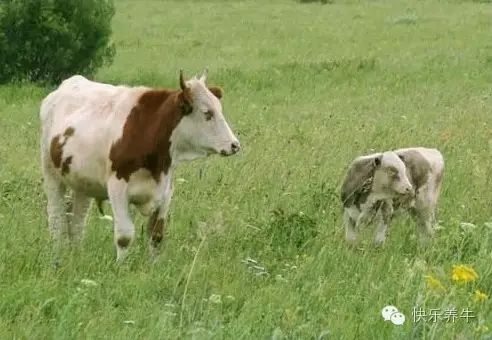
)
(157, 222)
(124, 229)
(384, 218)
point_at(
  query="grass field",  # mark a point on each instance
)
(308, 87)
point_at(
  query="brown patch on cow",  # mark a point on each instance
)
(123, 241)
(65, 168)
(418, 167)
(155, 229)
(216, 91)
(56, 150)
(145, 141)
(69, 132)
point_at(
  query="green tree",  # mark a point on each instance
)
(49, 40)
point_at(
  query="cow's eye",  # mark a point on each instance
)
(208, 115)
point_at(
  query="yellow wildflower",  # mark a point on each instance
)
(464, 273)
(433, 283)
(481, 329)
(480, 296)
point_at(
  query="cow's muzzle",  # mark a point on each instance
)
(235, 147)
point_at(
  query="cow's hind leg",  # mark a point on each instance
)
(57, 218)
(80, 207)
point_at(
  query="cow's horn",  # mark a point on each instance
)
(204, 75)
(182, 83)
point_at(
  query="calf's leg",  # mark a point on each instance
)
(424, 217)
(384, 218)
(351, 232)
(424, 213)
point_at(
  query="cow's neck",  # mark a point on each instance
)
(145, 141)
(172, 146)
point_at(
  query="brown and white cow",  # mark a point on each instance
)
(378, 184)
(121, 143)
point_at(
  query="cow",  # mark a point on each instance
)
(379, 184)
(121, 144)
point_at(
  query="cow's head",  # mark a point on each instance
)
(203, 129)
(390, 175)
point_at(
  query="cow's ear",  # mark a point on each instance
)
(217, 91)
(185, 104)
(377, 161)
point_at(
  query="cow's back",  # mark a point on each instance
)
(433, 157)
(80, 120)
(88, 106)
(80, 96)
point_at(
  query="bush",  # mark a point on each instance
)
(50, 40)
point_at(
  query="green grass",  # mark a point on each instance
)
(308, 88)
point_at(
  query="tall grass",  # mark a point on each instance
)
(254, 247)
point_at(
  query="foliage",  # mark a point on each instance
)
(49, 40)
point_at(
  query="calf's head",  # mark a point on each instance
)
(390, 175)
(203, 129)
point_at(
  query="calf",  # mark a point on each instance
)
(122, 143)
(376, 185)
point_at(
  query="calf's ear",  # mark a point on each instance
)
(216, 91)
(402, 158)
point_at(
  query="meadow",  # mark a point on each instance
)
(254, 246)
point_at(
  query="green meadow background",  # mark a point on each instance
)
(254, 246)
